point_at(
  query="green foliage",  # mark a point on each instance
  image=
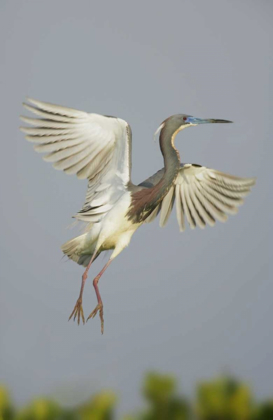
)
(264, 411)
(160, 392)
(40, 409)
(100, 407)
(224, 399)
(6, 410)
(220, 399)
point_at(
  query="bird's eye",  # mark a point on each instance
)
(185, 118)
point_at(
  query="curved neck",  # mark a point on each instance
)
(144, 201)
(170, 155)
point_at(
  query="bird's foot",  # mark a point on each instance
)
(99, 308)
(78, 312)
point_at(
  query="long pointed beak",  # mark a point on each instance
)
(194, 120)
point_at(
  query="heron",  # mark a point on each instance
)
(98, 148)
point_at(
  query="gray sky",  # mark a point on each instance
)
(193, 304)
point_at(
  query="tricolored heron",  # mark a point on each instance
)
(98, 148)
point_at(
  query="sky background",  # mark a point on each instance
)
(194, 304)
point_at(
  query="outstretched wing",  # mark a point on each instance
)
(91, 146)
(202, 196)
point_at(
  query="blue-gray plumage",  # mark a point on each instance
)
(98, 148)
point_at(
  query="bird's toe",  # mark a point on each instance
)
(98, 308)
(77, 312)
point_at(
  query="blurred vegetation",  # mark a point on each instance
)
(223, 398)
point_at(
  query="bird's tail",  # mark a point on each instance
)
(74, 249)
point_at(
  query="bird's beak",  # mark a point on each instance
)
(193, 120)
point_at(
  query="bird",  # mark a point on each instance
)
(98, 148)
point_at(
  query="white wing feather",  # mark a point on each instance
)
(201, 195)
(91, 146)
(205, 195)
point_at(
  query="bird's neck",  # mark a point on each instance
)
(146, 200)
(171, 159)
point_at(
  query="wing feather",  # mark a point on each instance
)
(91, 146)
(51, 139)
(202, 196)
(56, 146)
(75, 159)
(153, 215)
(166, 207)
(179, 208)
(225, 204)
(57, 109)
(188, 214)
(205, 198)
(44, 114)
(43, 123)
(96, 165)
(193, 209)
(64, 153)
(206, 215)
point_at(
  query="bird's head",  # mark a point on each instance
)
(178, 122)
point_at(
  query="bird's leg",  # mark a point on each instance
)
(78, 311)
(99, 306)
